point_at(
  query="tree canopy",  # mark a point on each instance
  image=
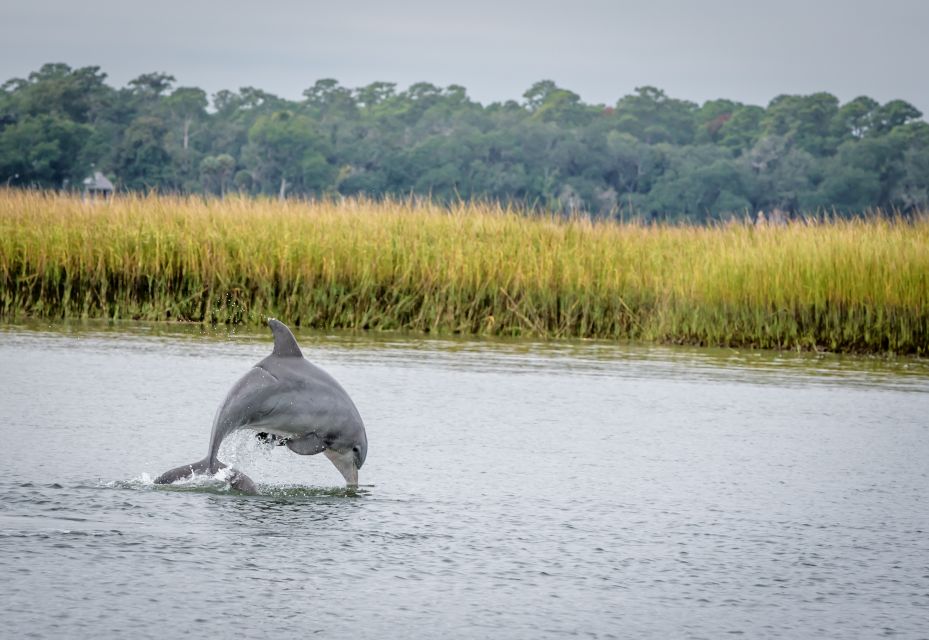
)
(648, 155)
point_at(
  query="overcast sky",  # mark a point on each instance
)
(741, 49)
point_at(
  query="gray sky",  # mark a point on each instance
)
(741, 49)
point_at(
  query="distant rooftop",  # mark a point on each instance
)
(98, 182)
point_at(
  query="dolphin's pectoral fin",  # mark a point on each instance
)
(308, 445)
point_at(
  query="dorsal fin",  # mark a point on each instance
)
(285, 345)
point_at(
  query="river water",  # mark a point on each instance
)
(512, 490)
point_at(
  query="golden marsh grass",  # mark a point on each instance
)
(859, 285)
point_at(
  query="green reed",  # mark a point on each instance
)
(858, 285)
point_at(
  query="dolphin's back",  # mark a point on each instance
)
(321, 402)
(315, 396)
(287, 396)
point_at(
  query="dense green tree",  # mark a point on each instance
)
(857, 118)
(632, 166)
(536, 94)
(742, 130)
(334, 109)
(711, 117)
(651, 116)
(845, 189)
(565, 108)
(216, 173)
(807, 121)
(186, 105)
(151, 86)
(783, 176)
(375, 93)
(894, 114)
(43, 151)
(235, 114)
(49, 124)
(185, 114)
(284, 152)
(650, 155)
(141, 160)
(77, 95)
(911, 193)
(701, 183)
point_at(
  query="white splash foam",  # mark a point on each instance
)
(266, 465)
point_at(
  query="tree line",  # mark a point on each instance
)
(649, 156)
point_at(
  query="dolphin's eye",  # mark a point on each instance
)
(355, 448)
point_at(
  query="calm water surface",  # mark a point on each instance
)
(514, 490)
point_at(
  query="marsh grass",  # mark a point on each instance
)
(858, 285)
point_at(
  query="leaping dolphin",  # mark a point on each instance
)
(293, 402)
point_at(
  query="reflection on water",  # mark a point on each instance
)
(484, 354)
(512, 489)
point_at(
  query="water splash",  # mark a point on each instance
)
(282, 474)
(210, 483)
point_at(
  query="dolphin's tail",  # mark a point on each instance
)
(184, 471)
(237, 480)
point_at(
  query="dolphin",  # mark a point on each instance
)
(291, 402)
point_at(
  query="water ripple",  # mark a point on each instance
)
(513, 489)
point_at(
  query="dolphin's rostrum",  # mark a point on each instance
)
(291, 401)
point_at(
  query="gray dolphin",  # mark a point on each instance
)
(292, 402)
